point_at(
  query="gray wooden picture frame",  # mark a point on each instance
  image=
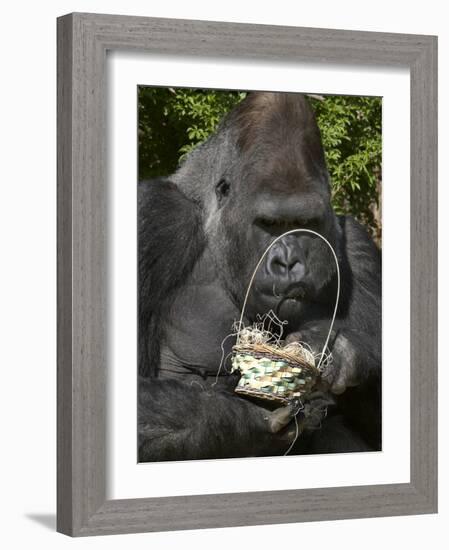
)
(83, 40)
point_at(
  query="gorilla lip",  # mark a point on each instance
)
(293, 291)
(287, 298)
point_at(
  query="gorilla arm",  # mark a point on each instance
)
(181, 421)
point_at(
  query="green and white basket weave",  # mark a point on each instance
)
(269, 373)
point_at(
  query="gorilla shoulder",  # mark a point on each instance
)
(363, 255)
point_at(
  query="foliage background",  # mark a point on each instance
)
(173, 121)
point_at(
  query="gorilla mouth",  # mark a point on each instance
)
(292, 296)
(284, 281)
(287, 306)
(294, 291)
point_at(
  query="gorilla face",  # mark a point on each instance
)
(280, 183)
(262, 174)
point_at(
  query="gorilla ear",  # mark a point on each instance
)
(222, 190)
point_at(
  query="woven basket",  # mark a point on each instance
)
(270, 370)
(269, 374)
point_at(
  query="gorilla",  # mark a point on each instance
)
(202, 231)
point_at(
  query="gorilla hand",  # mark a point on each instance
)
(309, 417)
(343, 371)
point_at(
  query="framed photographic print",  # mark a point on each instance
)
(246, 274)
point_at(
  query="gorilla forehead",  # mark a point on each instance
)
(280, 143)
(268, 140)
(283, 118)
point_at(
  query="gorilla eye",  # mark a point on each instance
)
(222, 188)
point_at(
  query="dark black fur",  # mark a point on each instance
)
(200, 235)
(170, 241)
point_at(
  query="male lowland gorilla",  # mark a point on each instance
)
(201, 233)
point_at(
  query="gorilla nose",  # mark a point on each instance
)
(286, 266)
(279, 266)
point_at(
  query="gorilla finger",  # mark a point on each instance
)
(293, 430)
(338, 387)
(281, 417)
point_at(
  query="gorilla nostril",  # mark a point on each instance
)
(278, 267)
(282, 267)
(296, 269)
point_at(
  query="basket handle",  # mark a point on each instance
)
(337, 299)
